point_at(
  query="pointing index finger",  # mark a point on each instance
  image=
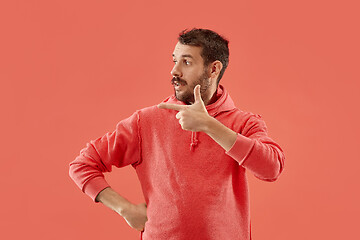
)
(171, 106)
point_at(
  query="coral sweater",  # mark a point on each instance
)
(193, 188)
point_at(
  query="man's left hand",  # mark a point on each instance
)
(191, 117)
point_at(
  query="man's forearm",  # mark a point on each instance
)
(221, 134)
(113, 200)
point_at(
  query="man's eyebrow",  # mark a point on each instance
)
(185, 55)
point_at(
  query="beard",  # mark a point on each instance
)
(187, 95)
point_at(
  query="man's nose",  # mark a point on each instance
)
(176, 71)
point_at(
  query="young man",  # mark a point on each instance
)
(190, 153)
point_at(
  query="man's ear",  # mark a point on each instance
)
(216, 67)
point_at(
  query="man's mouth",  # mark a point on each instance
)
(177, 82)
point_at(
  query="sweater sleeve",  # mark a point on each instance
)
(119, 148)
(256, 151)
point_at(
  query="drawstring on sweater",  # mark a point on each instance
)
(194, 140)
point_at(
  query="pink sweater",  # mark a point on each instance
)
(193, 188)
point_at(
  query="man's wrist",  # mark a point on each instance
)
(209, 125)
(124, 209)
(114, 201)
(221, 134)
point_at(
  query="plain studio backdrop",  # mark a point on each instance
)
(71, 70)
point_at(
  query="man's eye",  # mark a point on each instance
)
(187, 62)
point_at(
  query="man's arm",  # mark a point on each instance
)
(254, 150)
(119, 148)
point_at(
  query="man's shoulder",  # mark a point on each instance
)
(240, 113)
(240, 119)
(146, 111)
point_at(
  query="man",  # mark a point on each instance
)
(190, 153)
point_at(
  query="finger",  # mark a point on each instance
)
(197, 95)
(178, 116)
(171, 106)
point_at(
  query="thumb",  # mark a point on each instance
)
(197, 94)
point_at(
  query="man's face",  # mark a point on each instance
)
(188, 72)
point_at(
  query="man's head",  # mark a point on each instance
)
(201, 57)
(214, 47)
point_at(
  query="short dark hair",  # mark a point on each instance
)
(214, 47)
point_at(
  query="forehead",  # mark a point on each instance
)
(182, 50)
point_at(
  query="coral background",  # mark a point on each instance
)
(70, 70)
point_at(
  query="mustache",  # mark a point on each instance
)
(177, 79)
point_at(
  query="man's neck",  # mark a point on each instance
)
(213, 98)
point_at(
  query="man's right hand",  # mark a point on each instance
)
(135, 216)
